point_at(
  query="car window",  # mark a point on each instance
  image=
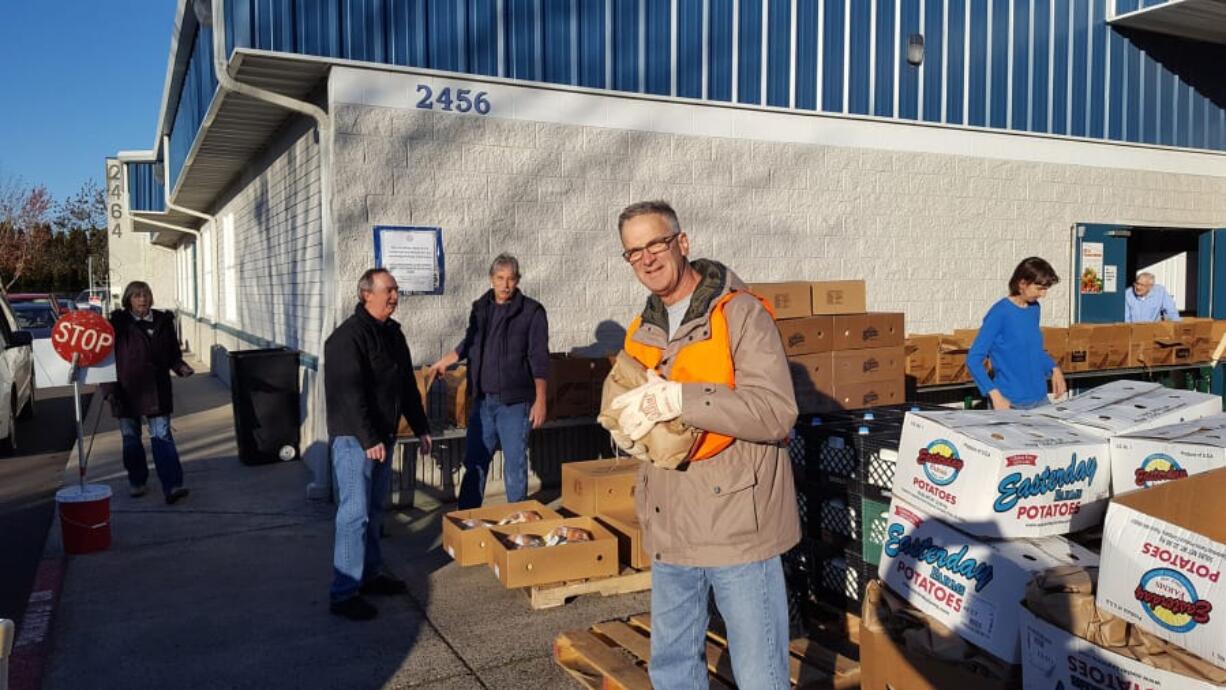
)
(41, 316)
(8, 322)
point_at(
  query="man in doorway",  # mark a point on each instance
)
(368, 386)
(1145, 301)
(507, 348)
(720, 520)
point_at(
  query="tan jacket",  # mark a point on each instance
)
(739, 506)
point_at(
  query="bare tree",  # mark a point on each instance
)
(24, 228)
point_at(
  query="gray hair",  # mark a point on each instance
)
(1145, 275)
(505, 261)
(645, 208)
(133, 289)
(367, 282)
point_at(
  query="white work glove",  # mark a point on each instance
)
(632, 448)
(653, 402)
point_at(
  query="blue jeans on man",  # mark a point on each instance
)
(491, 425)
(751, 597)
(165, 454)
(362, 486)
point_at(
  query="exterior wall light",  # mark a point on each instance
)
(915, 49)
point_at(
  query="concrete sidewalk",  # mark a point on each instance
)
(229, 588)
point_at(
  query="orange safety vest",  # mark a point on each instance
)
(703, 361)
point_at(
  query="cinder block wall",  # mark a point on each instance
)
(935, 236)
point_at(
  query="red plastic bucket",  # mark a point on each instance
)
(85, 517)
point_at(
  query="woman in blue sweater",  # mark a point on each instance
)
(1011, 339)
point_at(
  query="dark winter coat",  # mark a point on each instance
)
(369, 382)
(143, 363)
(525, 347)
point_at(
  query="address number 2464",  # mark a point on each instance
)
(459, 100)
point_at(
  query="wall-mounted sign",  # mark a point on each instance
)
(1109, 278)
(414, 257)
(1091, 268)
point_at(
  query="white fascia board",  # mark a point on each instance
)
(185, 23)
(137, 156)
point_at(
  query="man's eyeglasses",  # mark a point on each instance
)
(657, 246)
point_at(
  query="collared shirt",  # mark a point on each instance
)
(145, 322)
(1154, 306)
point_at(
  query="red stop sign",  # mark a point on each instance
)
(84, 333)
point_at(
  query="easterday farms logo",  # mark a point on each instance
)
(1158, 467)
(941, 467)
(951, 572)
(1058, 482)
(1169, 598)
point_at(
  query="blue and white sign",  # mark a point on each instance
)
(414, 257)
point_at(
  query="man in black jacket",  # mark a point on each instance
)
(507, 348)
(369, 385)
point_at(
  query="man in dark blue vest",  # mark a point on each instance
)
(507, 348)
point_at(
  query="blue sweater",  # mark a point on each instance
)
(1011, 338)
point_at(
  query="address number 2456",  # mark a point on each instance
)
(460, 101)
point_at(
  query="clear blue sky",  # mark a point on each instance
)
(79, 80)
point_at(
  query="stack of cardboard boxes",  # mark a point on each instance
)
(841, 356)
(604, 490)
(983, 500)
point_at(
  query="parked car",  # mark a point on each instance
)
(94, 298)
(48, 298)
(16, 376)
(67, 305)
(36, 318)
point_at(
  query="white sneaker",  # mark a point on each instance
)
(137, 491)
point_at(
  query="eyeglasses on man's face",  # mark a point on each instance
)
(634, 255)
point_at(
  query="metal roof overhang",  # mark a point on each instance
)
(1201, 20)
(160, 234)
(238, 127)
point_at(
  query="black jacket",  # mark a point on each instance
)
(525, 347)
(368, 380)
(143, 363)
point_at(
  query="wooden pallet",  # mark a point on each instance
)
(554, 595)
(613, 655)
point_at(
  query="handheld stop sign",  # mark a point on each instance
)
(83, 337)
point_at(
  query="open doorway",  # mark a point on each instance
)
(1172, 256)
(1186, 262)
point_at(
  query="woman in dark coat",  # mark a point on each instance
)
(146, 351)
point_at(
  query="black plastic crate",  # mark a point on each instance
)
(833, 512)
(832, 451)
(878, 460)
(840, 577)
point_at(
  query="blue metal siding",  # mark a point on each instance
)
(1080, 38)
(934, 65)
(719, 66)
(145, 191)
(1070, 72)
(883, 63)
(779, 47)
(807, 46)
(858, 55)
(689, 48)
(750, 52)
(955, 73)
(999, 69)
(908, 74)
(833, 55)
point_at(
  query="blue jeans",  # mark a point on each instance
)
(165, 454)
(752, 598)
(1031, 405)
(490, 425)
(362, 486)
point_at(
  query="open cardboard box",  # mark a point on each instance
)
(922, 352)
(1143, 459)
(887, 664)
(591, 487)
(624, 524)
(1055, 342)
(526, 567)
(1164, 550)
(471, 546)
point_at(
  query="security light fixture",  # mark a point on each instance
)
(915, 49)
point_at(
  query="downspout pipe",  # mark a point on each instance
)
(316, 454)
